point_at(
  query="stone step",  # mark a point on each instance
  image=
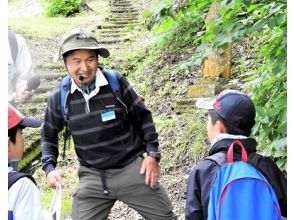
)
(109, 32)
(44, 89)
(186, 105)
(113, 26)
(114, 29)
(126, 3)
(206, 87)
(33, 109)
(112, 34)
(49, 81)
(124, 10)
(123, 23)
(124, 15)
(121, 19)
(53, 76)
(39, 98)
(31, 152)
(113, 41)
(122, 5)
(112, 47)
(121, 2)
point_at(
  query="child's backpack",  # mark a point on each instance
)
(14, 176)
(240, 191)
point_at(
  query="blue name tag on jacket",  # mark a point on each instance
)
(107, 116)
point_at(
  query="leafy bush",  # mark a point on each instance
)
(179, 23)
(62, 7)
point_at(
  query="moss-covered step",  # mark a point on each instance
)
(31, 153)
(39, 98)
(50, 66)
(33, 109)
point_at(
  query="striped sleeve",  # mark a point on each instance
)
(53, 124)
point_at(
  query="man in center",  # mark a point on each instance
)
(110, 136)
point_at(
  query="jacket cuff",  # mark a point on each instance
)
(150, 148)
(48, 168)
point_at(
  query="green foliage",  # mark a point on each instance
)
(264, 23)
(62, 7)
(177, 25)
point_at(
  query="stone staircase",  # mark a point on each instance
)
(36, 109)
(117, 27)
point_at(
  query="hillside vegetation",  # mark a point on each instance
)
(162, 57)
(257, 30)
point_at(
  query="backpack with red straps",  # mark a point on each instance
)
(240, 191)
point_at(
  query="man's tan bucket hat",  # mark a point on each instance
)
(80, 38)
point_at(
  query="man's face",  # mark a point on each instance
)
(84, 63)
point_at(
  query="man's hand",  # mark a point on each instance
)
(24, 96)
(142, 98)
(53, 178)
(151, 170)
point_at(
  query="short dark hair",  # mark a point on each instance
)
(12, 133)
(230, 129)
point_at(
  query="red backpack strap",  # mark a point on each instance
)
(230, 154)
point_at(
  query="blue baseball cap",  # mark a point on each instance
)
(233, 106)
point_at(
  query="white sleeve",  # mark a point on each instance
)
(24, 200)
(23, 64)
